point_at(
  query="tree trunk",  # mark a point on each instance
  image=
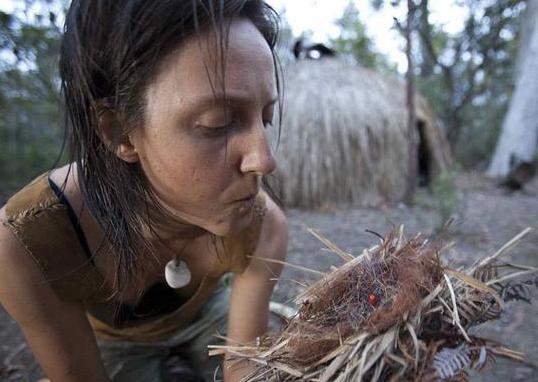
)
(519, 134)
(528, 23)
(427, 63)
(411, 111)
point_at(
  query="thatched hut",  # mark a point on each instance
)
(344, 136)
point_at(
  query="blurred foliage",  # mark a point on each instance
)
(30, 128)
(446, 196)
(354, 42)
(468, 76)
(480, 134)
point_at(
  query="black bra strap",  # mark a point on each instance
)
(73, 218)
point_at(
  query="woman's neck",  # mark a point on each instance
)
(164, 226)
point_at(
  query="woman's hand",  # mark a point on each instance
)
(251, 292)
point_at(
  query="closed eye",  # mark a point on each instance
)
(215, 131)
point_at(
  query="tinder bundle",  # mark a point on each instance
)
(394, 313)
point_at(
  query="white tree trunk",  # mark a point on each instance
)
(519, 134)
(528, 23)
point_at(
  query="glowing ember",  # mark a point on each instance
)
(373, 299)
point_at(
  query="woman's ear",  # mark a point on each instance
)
(114, 137)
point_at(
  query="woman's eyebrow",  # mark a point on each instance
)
(211, 100)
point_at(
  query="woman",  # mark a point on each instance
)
(114, 263)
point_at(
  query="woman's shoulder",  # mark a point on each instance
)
(31, 213)
(29, 201)
(6, 237)
(22, 214)
(14, 261)
(11, 249)
(36, 226)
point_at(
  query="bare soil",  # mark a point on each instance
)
(486, 218)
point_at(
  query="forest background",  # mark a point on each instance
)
(468, 77)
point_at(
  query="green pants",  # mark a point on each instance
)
(182, 357)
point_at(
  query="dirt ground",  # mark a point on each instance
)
(486, 218)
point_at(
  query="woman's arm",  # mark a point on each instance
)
(251, 292)
(58, 332)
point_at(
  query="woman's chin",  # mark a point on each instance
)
(232, 224)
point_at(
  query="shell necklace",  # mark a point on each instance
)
(176, 272)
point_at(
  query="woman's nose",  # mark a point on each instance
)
(257, 154)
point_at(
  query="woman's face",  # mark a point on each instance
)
(203, 155)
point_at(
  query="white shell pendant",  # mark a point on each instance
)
(177, 274)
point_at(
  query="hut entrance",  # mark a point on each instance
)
(424, 157)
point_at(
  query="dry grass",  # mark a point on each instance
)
(344, 136)
(394, 313)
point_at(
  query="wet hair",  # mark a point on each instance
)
(110, 53)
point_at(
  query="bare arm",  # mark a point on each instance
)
(57, 332)
(251, 292)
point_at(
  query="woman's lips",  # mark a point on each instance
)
(246, 202)
(246, 198)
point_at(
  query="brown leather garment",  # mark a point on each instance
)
(40, 220)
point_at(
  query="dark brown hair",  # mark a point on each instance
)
(110, 52)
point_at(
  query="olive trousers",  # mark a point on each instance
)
(182, 357)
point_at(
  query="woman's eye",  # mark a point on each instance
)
(268, 123)
(214, 131)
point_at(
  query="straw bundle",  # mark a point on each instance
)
(394, 313)
(344, 136)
